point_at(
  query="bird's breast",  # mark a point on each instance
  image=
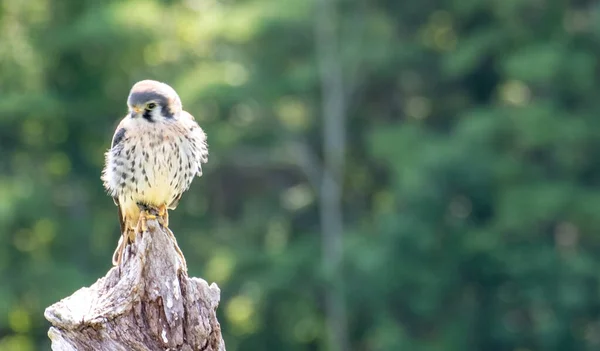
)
(154, 163)
(153, 167)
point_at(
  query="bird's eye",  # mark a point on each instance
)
(151, 105)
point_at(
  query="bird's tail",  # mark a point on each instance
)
(118, 254)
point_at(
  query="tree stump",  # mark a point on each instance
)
(147, 303)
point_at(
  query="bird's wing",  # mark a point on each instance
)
(119, 134)
(199, 136)
(117, 139)
(175, 202)
(121, 216)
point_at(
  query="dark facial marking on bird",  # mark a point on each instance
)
(148, 116)
(119, 136)
(166, 112)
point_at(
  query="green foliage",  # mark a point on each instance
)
(471, 189)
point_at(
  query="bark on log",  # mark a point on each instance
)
(148, 303)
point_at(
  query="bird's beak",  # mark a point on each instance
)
(136, 109)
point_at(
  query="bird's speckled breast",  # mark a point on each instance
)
(153, 163)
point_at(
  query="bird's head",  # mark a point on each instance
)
(154, 101)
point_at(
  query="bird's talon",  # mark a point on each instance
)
(163, 214)
(162, 210)
(142, 226)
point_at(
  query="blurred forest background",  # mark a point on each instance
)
(384, 174)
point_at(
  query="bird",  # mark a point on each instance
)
(156, 152)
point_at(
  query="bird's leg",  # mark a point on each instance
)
(142, 225)
(146, 210)
(163, 214)
(145, 215)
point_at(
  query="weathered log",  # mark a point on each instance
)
(147, 303)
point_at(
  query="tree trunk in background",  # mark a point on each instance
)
(331, 186)
(148, 303)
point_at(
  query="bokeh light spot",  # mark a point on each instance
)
(293, 113)
(19, 320)
(220, 266)
(235, 74)
(515, 93)
(58, 164)
(240, 312)
(297, 197)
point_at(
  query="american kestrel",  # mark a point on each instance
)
(156, 152)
